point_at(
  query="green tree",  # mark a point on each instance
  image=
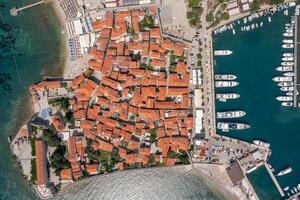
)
(225, 16)
(210, 17)
(193, 3)
(147, 22)
(51, 138)
(275, 2)
(153, 135)
(58, 160)
(62, 103)
(255, 6)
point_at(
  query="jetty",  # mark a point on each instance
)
(274, 180)
(15, 11)
(295, 18)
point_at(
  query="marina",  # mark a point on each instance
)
(268, 103)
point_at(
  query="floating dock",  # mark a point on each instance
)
(296, 96)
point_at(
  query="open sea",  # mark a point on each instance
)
(256, 53)
(31, 45)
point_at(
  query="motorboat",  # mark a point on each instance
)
(287, 54)
(287, 63)
(288, 41)
(284, 68)
(288, 34)
(282, 78)
(288, 74)
(222, 52)
(226, 83)
(284, 98)
(230, 114)
(285, 84)
(287, 46)
(286, 89)
(287, 58)
(285, 171)
(288, 104)
(261, 143)
(226, 77)
(226, 96)
(226, 126)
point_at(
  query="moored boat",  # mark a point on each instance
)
(288, 104)
(226, 83)
(261, 143)
(284, 68)
(287, 63)
(222, 52)
(226, 77)
(288, 41)
(230, 114)
(226, 96)
(286, 89)
(288, 34)
(287, 46)
(285, 171)
(282, 78)
(290, 58)
(224, 126)
(285, 84)
(284, 98)
(287, 54)
(288, 74)
(286, 188)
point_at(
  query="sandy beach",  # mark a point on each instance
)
(62, 19)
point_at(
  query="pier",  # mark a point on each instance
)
(295, 61)
(15, 11)
(274, 180)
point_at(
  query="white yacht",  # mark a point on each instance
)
(230, 114)
(288, 104)
(287, 46)
(226, 96)
(285, 171)
(287, 54)
(290, 93)
(284, 98)
(288, 41)
(226, 83)
(261, 143)
(282, 78)
(226, 77)
(286, 89)
(222, 52)
(284, 68)
(285, 84)
(288, 74)
(290, 58)
(224, 126)
(287, 63)
(288, 34)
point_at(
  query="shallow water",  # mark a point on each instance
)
(30, 45)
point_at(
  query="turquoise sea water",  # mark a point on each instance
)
(263, 184)
(256, 54)
(30, 45)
